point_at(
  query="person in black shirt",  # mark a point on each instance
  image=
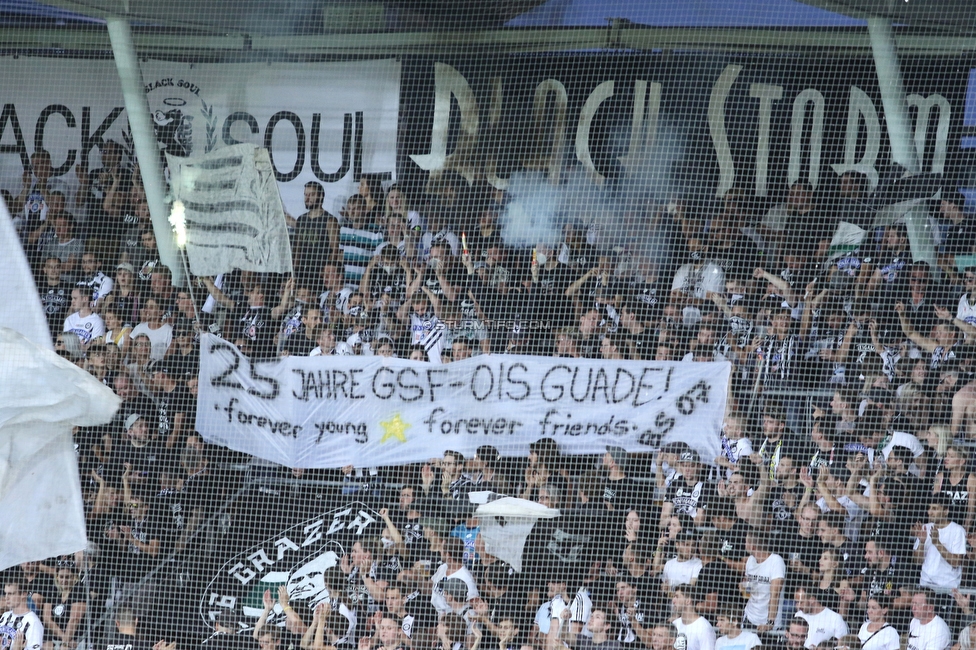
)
(888, 575)
(444, 497)
(387, 275)
(730, 532)
(126, 635)
(171, 399)
(55, 294)
(501, 596)
(849, 554)
(690, 493)
(787, 495)
(633, 614)
(641, 340)
(961, 236)
(250, 326)
(255, 333)
(619, 490)
(368, 574)
(316, 234)
(717, 582)
(800, 548)
(63, 614)
(140, 453)
(890, 262)
(550, 280)
(138, 541)
(184, 357)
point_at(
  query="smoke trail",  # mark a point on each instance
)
(617, 214)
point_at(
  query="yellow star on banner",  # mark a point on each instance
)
(394, 428)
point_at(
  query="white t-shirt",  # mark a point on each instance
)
(678, 572)
(936, 572)
(884, 639)
(28, 623)
(87, 328)
(934, 635)
(437, 594)
(747, 640)
(160, 338)
(760, 576)
(903, 439)
(828, 624)
(698, 635)
(965, 311)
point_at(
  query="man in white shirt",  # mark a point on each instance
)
(159, 332)
(927, 631)
(683, 569)
(765, 574)
(697, 631)
(734, 637)
(19, 618)
(940, 547)
(452, 552)
(824, 622)
(82, 322)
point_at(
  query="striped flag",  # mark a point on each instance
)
(232, 211)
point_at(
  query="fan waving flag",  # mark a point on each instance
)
(233, 215)
(42, 396)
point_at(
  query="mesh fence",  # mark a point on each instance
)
(453, 326)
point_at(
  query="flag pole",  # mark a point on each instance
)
(144, 140)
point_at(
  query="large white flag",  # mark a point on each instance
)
(232, 211)
(42, 396)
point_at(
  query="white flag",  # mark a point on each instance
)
(232, 211)
(847, 238)
(505, 524)
(42, 396)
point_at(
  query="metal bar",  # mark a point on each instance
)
(144, 139)
(636, 38)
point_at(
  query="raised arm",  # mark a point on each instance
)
(217, 294)
(435, 302)
(269, 604)
(782, 285)
(924, 342)
(368, 275)
(959, 324)
(806, 319)
(403, 313)
(574, 288)
(287, 299)
(293, 622)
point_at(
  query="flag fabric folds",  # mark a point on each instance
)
(233, 215)
(42, 396)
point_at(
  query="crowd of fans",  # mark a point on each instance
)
(854, 532)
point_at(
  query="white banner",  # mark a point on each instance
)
(231, 211)
(312, 131)
(369, 411)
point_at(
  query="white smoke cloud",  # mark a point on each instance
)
(616, 214)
